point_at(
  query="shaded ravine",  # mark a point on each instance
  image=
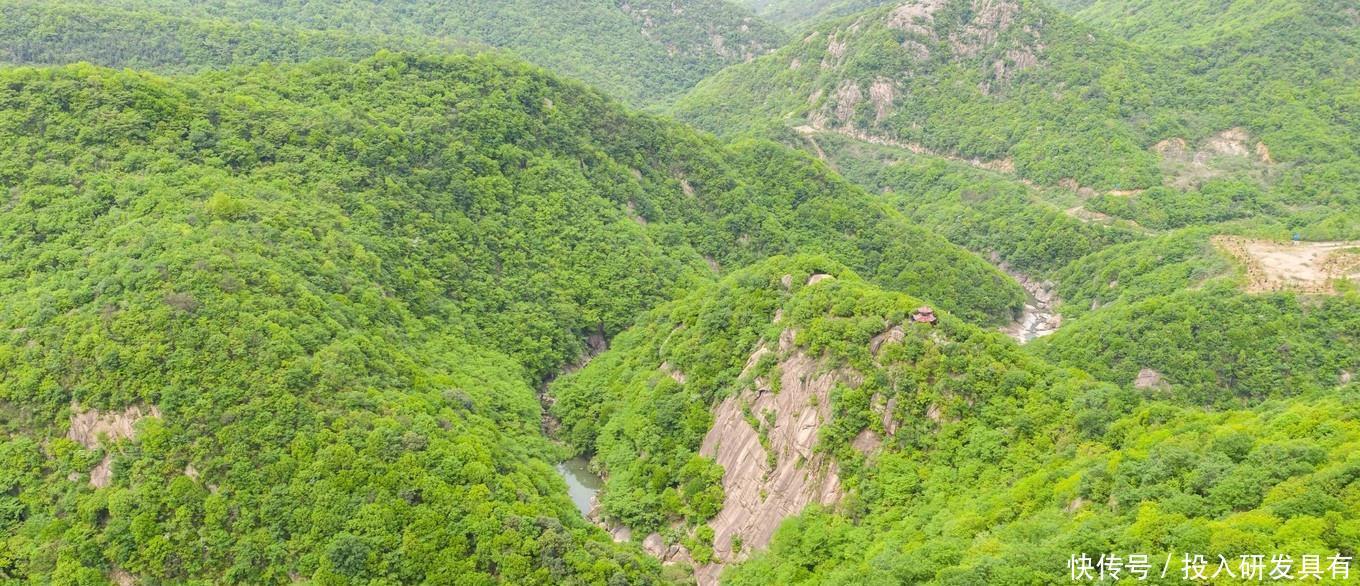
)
(1039, 317)
(583, 484)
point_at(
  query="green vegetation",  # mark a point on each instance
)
(799, 13)
(1040, 94)
(268, 258)
(312, 291)
(1005, 497)
(1063, 102)
(1217, 345)
(623, 404)
(338, 284)
(1165, 302)
(642, 51)
(1215, 22)
(1165, 208)
(1021, 464)
(986, 212)
(140, 38)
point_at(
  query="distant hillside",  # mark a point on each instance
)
(643, 51)
(1170, 309)
(1242, 104)
(1207, 22)
(798, 13)
(1011, 83)
(1070, 5)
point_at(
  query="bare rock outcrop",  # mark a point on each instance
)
(819, 277)
(121, 577)
(867, 442)
(1228, 152)
(916, 17)
(94, 428)
(990, 19)
(1229, 143)
(881, 93)
(765, 443)
(1149, 379)
(620, 533)
(672, 372)
(892, 334)
(847, 98)
(975, 42)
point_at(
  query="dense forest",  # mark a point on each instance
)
(826, 292)
(644, 51)
(450, 224)
(796, 13)
(1251, 107)
(964, 431)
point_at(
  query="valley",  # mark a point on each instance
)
(693, 292)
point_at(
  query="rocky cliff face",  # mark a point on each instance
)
(933, 32)
(764, 438)
(759, 368)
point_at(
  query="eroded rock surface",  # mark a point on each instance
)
(1149, 379)
(765, 443)
(1230, 152)
(94, 428)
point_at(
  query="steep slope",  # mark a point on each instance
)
(1235, 58)
(1071, 5)
(1245, 113)
(1185, 311)
(901, 452)
(285, 322)
(986, 502)
(989, 213)
(137, 37)
(720, 414)
(800, 13)
(644, 51)
(1174, 315)
(1011, 83)
(240, 278)
(1207, 22)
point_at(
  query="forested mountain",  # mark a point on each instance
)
(333, 285)
(1242, 110)
(798, 13)
(1133, 300)
(955, 290)
(1071, 5)
(943, 454)
(1011, 83)
(1274, 25)
(1252, 115)
(645, 51)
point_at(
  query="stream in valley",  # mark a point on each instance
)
(582, 483)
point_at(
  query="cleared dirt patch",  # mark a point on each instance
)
(1308, 267)
(1230, 153)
